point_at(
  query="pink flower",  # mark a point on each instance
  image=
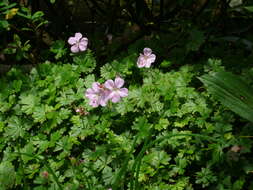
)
(98, 95)
(146, 59)
(78, 43)
(116, 92)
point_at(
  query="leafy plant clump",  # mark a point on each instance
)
(166, 133)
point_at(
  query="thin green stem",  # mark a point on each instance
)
(82, 121)
(22, 168)
(139, 166)
(134, 166)
(124, 167)
(87, 180)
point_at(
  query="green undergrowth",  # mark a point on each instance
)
(169, 133)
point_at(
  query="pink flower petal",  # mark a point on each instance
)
(91, 96)
(96, 86)
(103, 102)
(72, 40)
(141, 61)
(94, 103)
(148, 65)
(82, 47)
(100, 94)
(123, 92)
(89, 92)
(83, 44)
(84, 40)
(150, 60)
(119, 82)
(107, 94)
(74, 48)
(115, 98)
(109, 84)
(78, 36)
(147, 51)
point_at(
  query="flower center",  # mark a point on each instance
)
(146, 57)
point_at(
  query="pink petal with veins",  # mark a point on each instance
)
(74, 48)
(109, 84)
(119, 82)
(115, 98)
(141, 61)
(123, 92)
(72, 40)
(78, 36)
(147, 51)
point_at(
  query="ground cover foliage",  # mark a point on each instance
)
(183, 124)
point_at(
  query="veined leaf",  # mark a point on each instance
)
(28, 149)
(28, 103)
(39, 114)
(15, 128)
(232, 92)
(7, 175)
(249, 8)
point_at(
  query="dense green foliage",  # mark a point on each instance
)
(41, 131)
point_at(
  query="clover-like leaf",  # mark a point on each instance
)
(7, 175)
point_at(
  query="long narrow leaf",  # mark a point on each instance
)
(231, 91)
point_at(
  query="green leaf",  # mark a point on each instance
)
(64, 144)
(238, 185)
(17, 85)
(163, 124)
(6, 6)
(67, 97)
(28, 149)
(39, 114)
(166, 64)
(249, 8)
(205, 177)
(15, 128)
(157, 157)
(141, 124)
(37, 15)
(7, 175)
(4, 24)
(232, 92)
(58, 49)
(107, 71)
(89, 80)
(28, 102)
(107, 175)
(86, 62)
